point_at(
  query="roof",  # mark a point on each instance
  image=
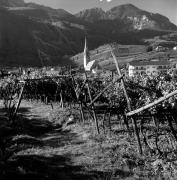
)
(146, 63)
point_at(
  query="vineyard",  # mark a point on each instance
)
(149, 113)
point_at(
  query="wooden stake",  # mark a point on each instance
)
(78, 92)
(93, 107)
(61, 101)
(103, 123)
(122, 80)
(128, 102)
(109, 121)
(152, 104)
(19, 101)
(82, 112)
(77, 96)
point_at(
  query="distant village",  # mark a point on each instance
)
(133, 59)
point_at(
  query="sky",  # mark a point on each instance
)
(164, 7)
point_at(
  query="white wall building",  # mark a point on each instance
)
(153, 67)
(175, 48)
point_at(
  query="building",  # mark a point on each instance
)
(151, 68)
(160, 48)
(175, 48)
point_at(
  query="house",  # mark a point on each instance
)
(151, 68)
(160, 48)
(175, 48)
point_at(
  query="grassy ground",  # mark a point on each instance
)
(41, 149)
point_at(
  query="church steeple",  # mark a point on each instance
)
(85, 53)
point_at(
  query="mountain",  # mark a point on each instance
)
(92, 15)
(40, 12)
(12, 3)
(56, 14)
(36, 35)
(124, 11)
(26, 42)
(139, 19)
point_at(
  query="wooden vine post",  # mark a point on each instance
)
(150, 105)
(61, 100)
(93, 107)
(77, 96)
(19, 101)
(128, 102)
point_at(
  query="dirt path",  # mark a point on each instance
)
(33, 109)
(42, 151)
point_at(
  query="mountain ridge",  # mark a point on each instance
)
(50, 36)
(140, 19)
(12, 3)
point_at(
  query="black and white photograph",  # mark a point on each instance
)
(88, 89)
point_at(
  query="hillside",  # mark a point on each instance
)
(22, 38)
(36, 35)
